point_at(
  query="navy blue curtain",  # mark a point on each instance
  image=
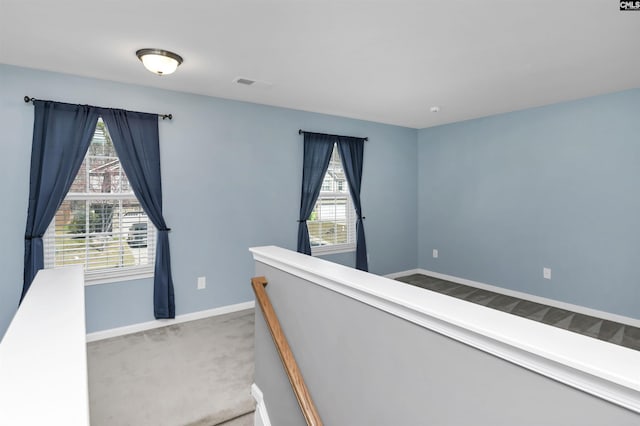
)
(317, 154)
(61, 136)
(135, 138)
(351, 153)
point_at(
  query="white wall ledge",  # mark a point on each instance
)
(605, 370)
(43, 355)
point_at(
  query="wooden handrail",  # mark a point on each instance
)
(309, 410)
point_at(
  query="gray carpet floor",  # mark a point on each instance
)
(610, 331)
(197, 373)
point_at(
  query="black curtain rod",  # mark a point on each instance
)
(28, 99)
(300, 131)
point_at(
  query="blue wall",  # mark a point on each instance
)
(231, 180)
(499, 197)
(557, 186)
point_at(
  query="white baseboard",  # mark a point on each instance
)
(261, 415)
(134, 328)
(521, 295)
(395, 275)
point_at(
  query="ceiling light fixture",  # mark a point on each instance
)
(158, 61)
(435, 109)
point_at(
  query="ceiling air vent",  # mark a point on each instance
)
(245, 81)
(254, 84)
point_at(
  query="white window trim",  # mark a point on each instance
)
(333, 249)
(82, 196)
(117, 275)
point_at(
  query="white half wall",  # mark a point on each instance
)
(43, 355)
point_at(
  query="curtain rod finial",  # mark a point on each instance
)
(27, 99)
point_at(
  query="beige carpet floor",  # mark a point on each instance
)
(194, 373)
(246, 420)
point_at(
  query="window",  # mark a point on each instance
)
(100, 224)
(333, 220)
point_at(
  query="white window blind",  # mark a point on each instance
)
(100, 223)
(332, 223)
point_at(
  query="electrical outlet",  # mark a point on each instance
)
(202, 283)
(546, 273)
(435, 253)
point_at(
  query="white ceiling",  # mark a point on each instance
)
(387, 60)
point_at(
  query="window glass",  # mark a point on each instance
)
(332, 221)
(100, 224)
